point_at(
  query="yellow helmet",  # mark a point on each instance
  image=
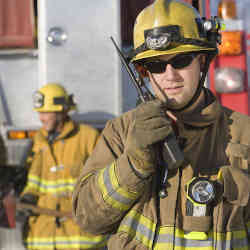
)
(170, 27)
(52, 98)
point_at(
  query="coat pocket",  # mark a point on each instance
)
(200, 224)
(229, 212)
(239, 155)
(236, 185)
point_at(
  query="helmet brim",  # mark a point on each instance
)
(176, 50)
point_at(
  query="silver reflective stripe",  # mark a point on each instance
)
(52, 187)
(167, 238)
(116, 196)
(143, 230)
(113, 193)
(139, 227)
(218, 241)
(232, 244)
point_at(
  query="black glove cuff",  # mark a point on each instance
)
(29, 199)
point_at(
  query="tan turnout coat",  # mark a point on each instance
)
(110, 199)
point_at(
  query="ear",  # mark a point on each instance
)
(141, 70)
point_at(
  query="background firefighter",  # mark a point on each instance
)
(59, 149)
(207, 202)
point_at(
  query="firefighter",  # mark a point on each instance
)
(60, 147)
(130, 186)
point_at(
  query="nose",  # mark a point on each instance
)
(42, 116)
(170, 72)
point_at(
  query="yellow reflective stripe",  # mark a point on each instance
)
(40, 243)
(86, 177)
(139, 227)
(219, 241)
(248, 228)
(165, 239)
(112, 192)
(34, 182)
(229, 235)
(232, 240)
(144, 230)
(48, 182)
(69, 242)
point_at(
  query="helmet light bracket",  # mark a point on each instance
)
(209, 28)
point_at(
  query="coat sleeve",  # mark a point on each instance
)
(88, 137)
(107, 187)
(91, 140)
(34, 164)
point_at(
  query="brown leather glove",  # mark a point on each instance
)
(150, 126)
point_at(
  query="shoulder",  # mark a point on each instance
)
(39, 141)
(239, 125)
(40, 137)
(237, 117)
(85, 128)
(114, 135)
(86, 132)
(121, 124)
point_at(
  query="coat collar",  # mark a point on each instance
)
(68, 128)
(204, 112)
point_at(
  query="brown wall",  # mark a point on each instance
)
(129, 10)
(17, 27)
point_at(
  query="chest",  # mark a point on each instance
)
(205, 151)
(59, 159)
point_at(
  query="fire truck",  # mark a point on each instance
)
(229, 72)
(69, 42)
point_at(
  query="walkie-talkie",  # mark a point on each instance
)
(172, 153)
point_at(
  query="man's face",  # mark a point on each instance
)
(178, 85)
(51, 121)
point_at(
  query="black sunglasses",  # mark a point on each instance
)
(178, 62)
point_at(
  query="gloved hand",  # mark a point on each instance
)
(29, 199)
(23, 214)
(150, 126)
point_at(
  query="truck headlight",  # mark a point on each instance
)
(229, 80)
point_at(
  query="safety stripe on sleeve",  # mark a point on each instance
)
(138, 227)
(115, 195)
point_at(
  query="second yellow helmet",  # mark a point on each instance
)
(52, 97)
